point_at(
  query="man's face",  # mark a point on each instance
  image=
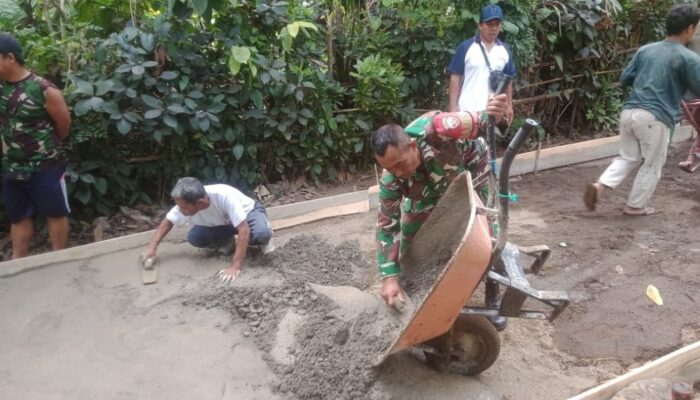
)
(490, 30)
(187, 208)
(7, 62)
(402, 161)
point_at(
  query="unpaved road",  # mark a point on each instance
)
(89, 329)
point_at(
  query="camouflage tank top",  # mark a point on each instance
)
(29, 143)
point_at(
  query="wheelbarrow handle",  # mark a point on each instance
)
(504, 184)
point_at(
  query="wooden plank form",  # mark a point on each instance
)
(345, 204)
(654, 369)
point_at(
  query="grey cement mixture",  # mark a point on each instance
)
(317, 349)
(436, 241)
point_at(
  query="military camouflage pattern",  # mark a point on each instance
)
(29, 143)
(404, 204)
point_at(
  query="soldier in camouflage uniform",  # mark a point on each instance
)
(419, 164)
(34, 121)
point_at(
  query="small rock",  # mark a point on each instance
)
(246, 333)
(254, 323)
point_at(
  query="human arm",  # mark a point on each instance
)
(692, 73)
(163, 229)
(388, 226)
(629, 73)
(511, 71)
(466, 125)
(455, 88)
(231, 204)
(58, 111)
(232, 272)
(508, 113)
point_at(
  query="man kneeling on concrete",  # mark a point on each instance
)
(223, 218)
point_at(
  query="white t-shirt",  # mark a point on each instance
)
(469, 62)
(227, 205)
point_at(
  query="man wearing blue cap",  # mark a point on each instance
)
(34, 121)
(474, 61)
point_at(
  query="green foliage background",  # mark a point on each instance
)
(246, 92)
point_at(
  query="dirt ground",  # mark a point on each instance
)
(305, 322)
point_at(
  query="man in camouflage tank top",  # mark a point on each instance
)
(419, 164)
(34, 121)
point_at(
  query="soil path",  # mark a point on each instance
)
(303, 323)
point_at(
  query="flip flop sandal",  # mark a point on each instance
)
(688, 166)
(645, 211)
(590, 197)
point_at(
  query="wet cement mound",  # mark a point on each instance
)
(320, 332)
(436, 241)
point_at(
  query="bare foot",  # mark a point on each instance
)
(689, 165)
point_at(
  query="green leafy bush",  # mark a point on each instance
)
(253, 91)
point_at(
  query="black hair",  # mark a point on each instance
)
(680, 17)
(389, 134)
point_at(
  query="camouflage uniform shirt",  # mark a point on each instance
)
(29, 143)
(404, 204)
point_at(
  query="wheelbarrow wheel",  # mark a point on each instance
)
(475, 345)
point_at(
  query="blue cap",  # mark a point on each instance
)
(491, 12)
(8, 44)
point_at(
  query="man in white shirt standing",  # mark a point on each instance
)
(222, 217)
(473, 62)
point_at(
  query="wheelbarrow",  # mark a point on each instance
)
(461, 244)
(691, 111)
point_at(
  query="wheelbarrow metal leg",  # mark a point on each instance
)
(541, 254)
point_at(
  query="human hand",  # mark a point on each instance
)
(391, 291)
(228, 275)
(496, 107)
(148, 254)
(509, 114)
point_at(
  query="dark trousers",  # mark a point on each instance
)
(215, 236)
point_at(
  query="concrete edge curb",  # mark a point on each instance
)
(345, 204)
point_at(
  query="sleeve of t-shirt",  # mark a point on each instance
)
(692, 73)
(510, 67)
(235, 211)
(456, 66)
(175, 216)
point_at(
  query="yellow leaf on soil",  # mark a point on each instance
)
(654, 295)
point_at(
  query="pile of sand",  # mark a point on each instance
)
(321, 333)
